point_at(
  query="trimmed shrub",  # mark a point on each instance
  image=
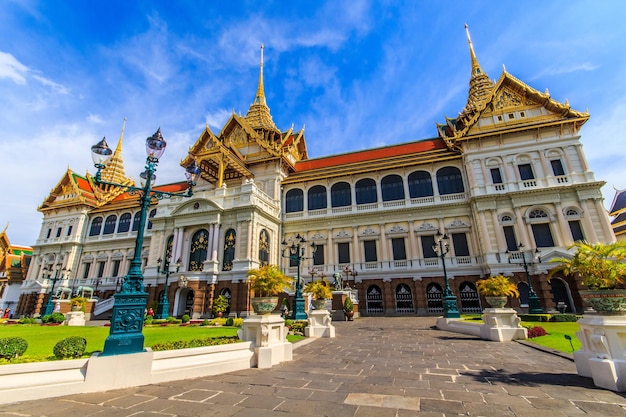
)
(27, 320)
(238, 322)
(70, 347)
(185, 344)
(185, 318)
(220, 321)
(12, 347)
(297, 326)
(205, 322)
(57, 318)
(148, 320)
(564, 317)
(229, 321)
(534, 317)
(536, 331)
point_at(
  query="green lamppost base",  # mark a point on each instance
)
(450, 309)
(163, 309)
(298, 309)
(534, 304)
(126, 334)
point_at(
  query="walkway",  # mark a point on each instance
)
(374, 367)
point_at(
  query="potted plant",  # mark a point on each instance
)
(348, 308)
(220, 305)
(267, 282)
(497, 289)
(320, 291)
(601, 267)
(78, 304)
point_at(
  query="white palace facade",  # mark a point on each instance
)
(508, 170)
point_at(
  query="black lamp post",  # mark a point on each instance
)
(350, 272)
(163, 308)
(128, 309)
(441, 248)
(57, 269)
(295, 252)
(534, 303)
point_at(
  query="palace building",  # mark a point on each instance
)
(506, 182)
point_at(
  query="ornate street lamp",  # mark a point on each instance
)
(163, 308)
(534, 303)
(128, 309)
(295, 252)
(350, 272)
(57, 268)
(441, 248)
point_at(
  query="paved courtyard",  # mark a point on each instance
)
(374, 367)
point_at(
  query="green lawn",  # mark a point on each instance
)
(41, 339)
(556, 335)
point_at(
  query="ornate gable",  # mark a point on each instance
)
(71, 190)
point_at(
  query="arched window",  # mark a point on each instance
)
(124, 223)
(449, 181)
(264, 247)
(374, 300)
(420, 184)
(434, 298)
(198, 251)
(109, 225)
(470, 301)
(294, 200)
(169, 245)
(317, 197)
(540, 224)
(340, 195)
(151, 215)
(365, 190)
(136, 221)
(230, 238)
(96, 225)
(392, 188)
(404, 299)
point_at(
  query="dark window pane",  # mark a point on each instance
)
(59, 229)
(264, 247)
(526, 172)
(392, 188)
(365, 190)
(577, 231)
(151, 215)
(294, 201)
(370, 251)
(449, 181)
(399, 253)
(557, 167)
(230, 238)
(69, 231)
(96, 224)
(136, 221)
(317, 198)
(101, 269)
(124, 223)
(427, 246)
(340, 195)
(509, 236)
(116, 268)
(459, 241)
(198, 250)
(420, 184)
(543, 235)
(109, 225)
(343, 251)
(86, 270)
(496, 176)
(318, 258)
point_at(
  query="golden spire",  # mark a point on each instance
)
(258, 114)
(114, 171)
(480, 85)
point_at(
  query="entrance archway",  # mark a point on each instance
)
(184, 302)
(404, 299)
(561, 295)
(470, 301)
(374, 300)
(434, 298)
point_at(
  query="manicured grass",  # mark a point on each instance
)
(41, 339)
(555, 339)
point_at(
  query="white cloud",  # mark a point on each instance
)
(567, 69)
(12, 69)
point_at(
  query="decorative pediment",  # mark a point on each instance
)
(397, 229)
(426, 226)
(197, 207)
(317, 236)
(458, 224)
(369, 232)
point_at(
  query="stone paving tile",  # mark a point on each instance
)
(203, 409)
(553, 404)
(262, 402)
(366, 411)
(423, 393)
(505, 399)
(194, 395)
(447, 407)
(463, 396)
(487, 410)
(293, 393)
(594, 408)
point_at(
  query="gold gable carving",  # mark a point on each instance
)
(507, 98)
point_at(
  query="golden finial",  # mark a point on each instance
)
(476, 70)
(119, 143)
(260, 92)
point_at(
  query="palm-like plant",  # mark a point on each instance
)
(320, 289)
(268, 281)
(600, 265)
(497, 286)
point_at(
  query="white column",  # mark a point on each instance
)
(249, 241)
(356, 253)
(498, 232)
(606, 228)
(209, 244)
(562, 236)
(581, 158)
(331, 249)
(485, 232)
(590, 231)
(412, 241)
(383, 243)
(216, 239)
(522, 230)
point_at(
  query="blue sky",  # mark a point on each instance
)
(356, 74)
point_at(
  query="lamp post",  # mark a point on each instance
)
(130, 302)
(57, 268)
(441, 248)
(98, 281)
(534, 303)
(163, 308)
(295, 252)
(350, 272)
